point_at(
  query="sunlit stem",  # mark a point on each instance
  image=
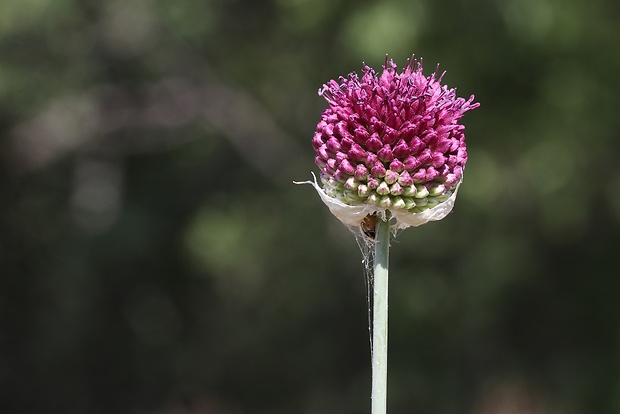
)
(380, 318)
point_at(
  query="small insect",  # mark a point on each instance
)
(369, 225)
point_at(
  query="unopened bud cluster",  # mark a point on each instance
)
(392, 140)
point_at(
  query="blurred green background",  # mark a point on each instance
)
(155, 257)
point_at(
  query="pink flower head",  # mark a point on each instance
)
(392, 140)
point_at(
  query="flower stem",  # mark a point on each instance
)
(380, 318)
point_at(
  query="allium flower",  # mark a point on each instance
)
(391, 142)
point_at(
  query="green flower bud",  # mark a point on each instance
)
(420, 202)
(432, 202)
(385, 202)
(444, 196)
(409, 203)
(410, 191)
(398, 202)
(437, 189)
(422, 191)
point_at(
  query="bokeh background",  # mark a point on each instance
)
(155, 257)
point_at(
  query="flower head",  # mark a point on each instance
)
(391, 142)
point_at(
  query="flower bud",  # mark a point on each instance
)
(351, 183)
(363, 191)
(373, 183)
(421, 202)
(374, 198)
(385, 202)
(383, 188)
(405, 179)
(391, 142)
(410, 191)
(422, 191)
(391, 177)
(361, 172)
(409, 203)
(396, 189)
(378, 170)
(398, 203)
(437, 189)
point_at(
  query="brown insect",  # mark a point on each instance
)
(369, 226)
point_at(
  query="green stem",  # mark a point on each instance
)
(380, 318)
